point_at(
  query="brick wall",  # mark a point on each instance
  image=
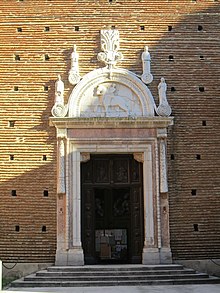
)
(35, 30)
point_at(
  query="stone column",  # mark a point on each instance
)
(62, 234)
(165, 251)
(150, 253)
(75, 252)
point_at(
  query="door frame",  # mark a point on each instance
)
(145, 138)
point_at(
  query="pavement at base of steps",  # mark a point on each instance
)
(123, 289)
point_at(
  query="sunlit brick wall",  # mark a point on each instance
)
(37, 38)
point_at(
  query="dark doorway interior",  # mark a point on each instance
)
(112, 209)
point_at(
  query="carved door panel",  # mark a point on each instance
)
(88, 224)
(112, 201)
(137, 229)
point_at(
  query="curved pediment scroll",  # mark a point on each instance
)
(119, 94)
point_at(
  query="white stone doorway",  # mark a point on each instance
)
(145, 139)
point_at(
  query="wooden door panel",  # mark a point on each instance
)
(112, 199)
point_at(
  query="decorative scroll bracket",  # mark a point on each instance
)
(139, 157)
(84, 157)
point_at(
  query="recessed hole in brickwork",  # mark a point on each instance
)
(170, 28)
(171, 58)
(204, 123)
(200, 28)
(13, 192)
(172, 157)
(201, 57)
(76, 28)
(19, 29)
(44, 229)
(201, 89)
(46, 193)
(172, 89)
(17, 57)
(113, 27)
(15, 88)
(193, 192)
(46, 28)
(11, 157)
(196, 227)
(46, 88)
(44, 157)
(142, 27)
(17, 228)
(11, 123)
(46, 57)
(198, 157)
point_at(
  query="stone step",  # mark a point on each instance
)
(114, 268)
(113, 273)
(29, 284)
(116, 278)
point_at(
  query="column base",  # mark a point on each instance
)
(71, 257)
(151, 256)
(165, 256)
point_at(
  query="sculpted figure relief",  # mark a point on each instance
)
(74, 76)
(108, 97)
(59, 91)
(59, 109)
(163, 108)
(146, 77)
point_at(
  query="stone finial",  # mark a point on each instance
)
(146, 77)
(110, 46)
(163, 109)
(74, 76)
(59, 90)
(59, 109)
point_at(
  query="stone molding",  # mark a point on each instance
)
(161, 123)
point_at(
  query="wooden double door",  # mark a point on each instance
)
(112, 209)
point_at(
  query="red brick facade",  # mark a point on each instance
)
(37, 37)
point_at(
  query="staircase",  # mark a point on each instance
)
(114, 275)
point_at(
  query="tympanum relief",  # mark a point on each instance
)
(110, 100)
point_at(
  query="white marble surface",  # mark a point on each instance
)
(130, 289)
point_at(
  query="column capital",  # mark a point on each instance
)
(162, 133)
(61, 133)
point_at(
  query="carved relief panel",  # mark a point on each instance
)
(110, 99)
